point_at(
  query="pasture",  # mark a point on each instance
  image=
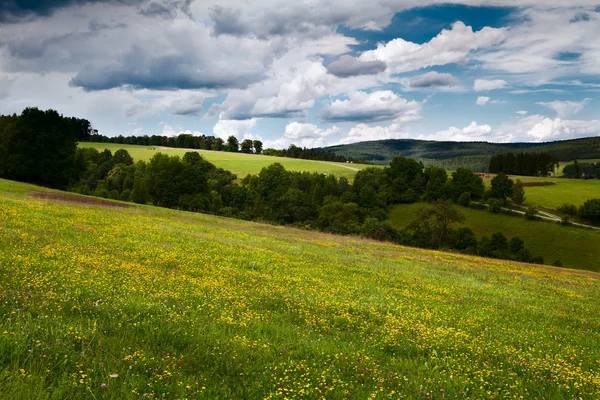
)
(142, 302)
(239, 163)
(575, 247)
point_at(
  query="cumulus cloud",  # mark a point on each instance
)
(364, 132)
(471, 133)
(349, 66)
(481, 85)
(238, 128)
(553, 129)
(565, 109)
(380, 105)
(482, 100)
(303, 135)
(448, 47)
(298, 130)
(432, 79)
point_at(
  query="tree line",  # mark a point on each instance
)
(526, 164)
(582, 170)
(206, 142)
(41, 147)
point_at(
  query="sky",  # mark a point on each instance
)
(310, 72)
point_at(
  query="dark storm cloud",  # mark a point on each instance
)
(347, 66)
(17, 10)
(432, 79)
(140, 70)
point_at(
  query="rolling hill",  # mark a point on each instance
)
(112, 301)
(239, 163)
(451, 155)
(574, 247)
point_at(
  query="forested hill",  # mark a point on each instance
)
(451, 155)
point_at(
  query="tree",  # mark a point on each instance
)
(217, 144)
(464, 199)
(590, 210)
(246, 146)
(122, 156)
(501, 187)
(464, 180)
(436, 183)
(39, 147)
(530, 212)
(518, 193)
(436, 221)
(258, 146)
(495, 205)
(466, 240)
(232, 144)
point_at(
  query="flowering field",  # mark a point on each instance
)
(113, 303)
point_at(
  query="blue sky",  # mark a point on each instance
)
(314, 73)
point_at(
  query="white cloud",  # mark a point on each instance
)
(364, 132)
(559, 129)
(298, 130)
(565, 109)
(482, 100)
(238, 128)
(522, 112)
(481, 85)
(380, 105)
(448, 47)
(471, 133)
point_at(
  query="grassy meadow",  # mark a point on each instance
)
(573, 191)
(575, 247)
(143, 302)
(239, 163)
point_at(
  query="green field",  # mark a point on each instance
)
(572, 191)
(575, 247)
(143, 302)
(239, 163)
(563, 164)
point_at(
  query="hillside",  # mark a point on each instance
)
(574, 247)
(137, 301)
(239, 163)
(451, 155)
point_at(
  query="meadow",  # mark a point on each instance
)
(239, 163)
(575, 247)
(573, 191)
(144, 302)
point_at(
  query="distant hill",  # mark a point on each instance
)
(451, 155)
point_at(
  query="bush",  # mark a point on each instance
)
(568, 209)
(495, 205)
(530, 213)
(558, 263)
(464, 199)
(590, 210)
(565, 221)
(379, 230)
(466, 240)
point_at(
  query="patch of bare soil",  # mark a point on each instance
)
(75, 199)
(539, 183)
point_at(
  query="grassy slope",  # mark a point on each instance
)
(186, 305)
(575, 247)
(238, 163)
(572, 191)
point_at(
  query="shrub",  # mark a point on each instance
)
(558, 263)
(530, 213)
(565, 220)
(495, 205)
(518, 193)
(591, 210)
(464, 199)
(466, 240)
(569, 209)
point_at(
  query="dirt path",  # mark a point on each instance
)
(340, 165)
(545, 215)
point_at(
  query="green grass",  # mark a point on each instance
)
(565, 190)
(238, 163)
(563, 164)
(575, 247)
(142, 302)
